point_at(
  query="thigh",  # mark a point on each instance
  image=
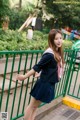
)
(34, 102)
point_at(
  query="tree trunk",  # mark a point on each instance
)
(20, 4)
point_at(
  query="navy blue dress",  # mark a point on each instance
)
(44, 88)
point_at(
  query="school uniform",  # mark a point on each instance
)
(44, 88)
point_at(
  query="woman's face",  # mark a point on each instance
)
(58, 40)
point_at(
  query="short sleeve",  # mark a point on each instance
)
(46, 58)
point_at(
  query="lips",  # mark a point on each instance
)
(58, 44)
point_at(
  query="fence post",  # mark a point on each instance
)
(68, 75)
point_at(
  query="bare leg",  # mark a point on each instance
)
(30, 112)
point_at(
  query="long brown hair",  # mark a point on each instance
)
(51, 44)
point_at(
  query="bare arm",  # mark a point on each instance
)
(23, 77)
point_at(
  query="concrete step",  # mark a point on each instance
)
(72, 102)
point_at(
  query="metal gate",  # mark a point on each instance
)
(14, 95)
(72, 87)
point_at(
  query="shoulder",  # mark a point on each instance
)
(48, 55)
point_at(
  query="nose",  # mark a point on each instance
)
(59, 40)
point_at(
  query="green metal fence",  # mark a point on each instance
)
(73, 79)
(14, 95)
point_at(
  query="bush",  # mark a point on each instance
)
(14, 40)
(67, 44)
(17, 18)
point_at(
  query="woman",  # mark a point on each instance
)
(50, 69)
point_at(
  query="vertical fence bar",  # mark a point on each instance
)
(30, 68)
(70, 67)
(72, 71)
(33, 77)
(26, 85)
(21, 89)
(4, 80)
(74, 84)
(63, 81)
(78, 92)
(15, 88)
(10, 82)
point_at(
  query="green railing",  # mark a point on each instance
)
(14, 95)
(73, 79)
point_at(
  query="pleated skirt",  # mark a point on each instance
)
(43, 91)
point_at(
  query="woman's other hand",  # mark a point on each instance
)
(20, 77)
(37, 75)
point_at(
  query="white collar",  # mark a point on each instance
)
(49, 50)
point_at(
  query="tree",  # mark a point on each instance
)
(4, 10)
(68, 14)
(65, 13)
(20, 4)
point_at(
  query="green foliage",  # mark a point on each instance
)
(14, 40)
(9, 39)
(65, 13)
(17, 18)
(57, 15)
(67, 44)
(4, 10)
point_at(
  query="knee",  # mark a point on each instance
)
(34, 108)
(30, 108)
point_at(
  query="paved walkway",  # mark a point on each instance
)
(62, 112)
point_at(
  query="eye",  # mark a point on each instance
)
(56, 38)
(60, 37)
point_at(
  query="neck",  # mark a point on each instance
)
(56, 48)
